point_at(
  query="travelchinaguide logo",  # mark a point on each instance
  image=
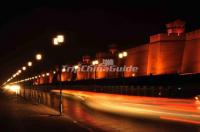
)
(107, 65)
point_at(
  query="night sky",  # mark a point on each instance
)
(28, 28)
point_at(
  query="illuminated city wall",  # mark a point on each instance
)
(65, 76)
(101, 74)
(137, 57)
(51, 77)
(153, 58)
(81, 75)
(165, 54)
(191, 59)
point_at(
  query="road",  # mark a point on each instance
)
(19, 115)
(111, 112)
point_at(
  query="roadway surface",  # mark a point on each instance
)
(111, 112)
(19, 115)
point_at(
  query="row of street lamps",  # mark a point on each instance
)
(32, 78)
(57, 41)
(38, 57)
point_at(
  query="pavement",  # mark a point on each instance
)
(19, 115)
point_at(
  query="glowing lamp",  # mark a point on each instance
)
(38, 56)
(30, 63)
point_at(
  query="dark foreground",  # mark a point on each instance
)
(18, 115)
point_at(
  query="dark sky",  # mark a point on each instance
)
(26, 28)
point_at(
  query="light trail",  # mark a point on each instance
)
(179, 110)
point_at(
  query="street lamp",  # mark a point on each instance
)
(125, 54)
(55, 41)
(30, 63)
(19, 71)
(14, 75)
(58, 40)
(76, 67)
(122, 55)
(63, 69)
(23, 68)
(94, 63)
(38, 57)
(47, 74)
(133, 75)
(43, 75)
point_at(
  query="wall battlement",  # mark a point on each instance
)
(193, 35)
(166, 37)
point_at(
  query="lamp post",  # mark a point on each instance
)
(38, 57)
(121, 56)
(58, 41)
(75, 72)
(94, 63)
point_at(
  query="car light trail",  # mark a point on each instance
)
(179, 110)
